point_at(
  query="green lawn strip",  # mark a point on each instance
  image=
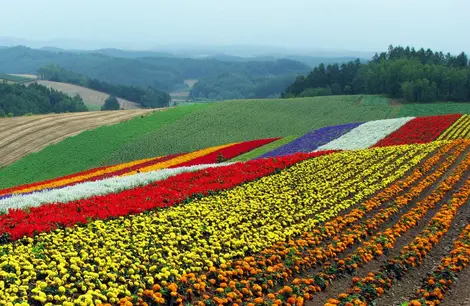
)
(88, 149)
(432, 109)
(264, 149)
(93, 107)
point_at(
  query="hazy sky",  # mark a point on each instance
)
(331, 24)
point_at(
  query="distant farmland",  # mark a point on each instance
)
(183, 96)
(93, 98)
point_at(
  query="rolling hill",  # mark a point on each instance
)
(21, 136)
(193, 127)
(92, 98)
(362, 213)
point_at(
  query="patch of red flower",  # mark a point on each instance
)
(227, 153)
(419, 130)
(18, 223)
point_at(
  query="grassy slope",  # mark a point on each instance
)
(430, 109)
(266, 148)
(14, 78)
(87, 149)
(242, 120)
(198, 126)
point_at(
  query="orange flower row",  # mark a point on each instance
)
(379, 243)
(233, 282)
(413, 254)
(439, 281)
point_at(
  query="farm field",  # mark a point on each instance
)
(90, 97)
(21, 136)
(16, 78)
(211, 125)
(381, 224)
(183, 96)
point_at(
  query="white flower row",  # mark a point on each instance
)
(102, 187)
(366, 135)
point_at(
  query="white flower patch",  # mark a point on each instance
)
(102, 187)
(366, 135)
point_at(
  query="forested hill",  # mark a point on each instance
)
(147, 97)
(414, 75)
(17, 100)
(164, 73)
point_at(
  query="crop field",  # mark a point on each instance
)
(323, 221)
(194, 127)
(15, 78)
(89, 96)
(23, 135)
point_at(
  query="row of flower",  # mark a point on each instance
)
(366, 135)
(440, 280)
(19, 222)
(459, 130)
(205, 156)
(369, 288)
(378, 133)
(419, 130)
(104, 261)
(92, 188)
(252, 279)
(312, 140)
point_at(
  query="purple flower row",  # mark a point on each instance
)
(312, 140)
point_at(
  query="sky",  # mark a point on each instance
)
(361, 25)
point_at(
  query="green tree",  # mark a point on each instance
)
(111, 103)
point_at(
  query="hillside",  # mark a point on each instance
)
(401, 73)
(92, 98)
(16, 99)
(21, 136)
(164, 73)
(382, 222)
(193, 127)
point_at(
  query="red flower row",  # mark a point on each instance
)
(419, 130)
(227, 153)
(17, 223)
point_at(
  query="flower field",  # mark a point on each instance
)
(372, 213)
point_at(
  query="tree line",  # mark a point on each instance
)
(18, 100)
(147, 97)
(402, 72)
(238, 86)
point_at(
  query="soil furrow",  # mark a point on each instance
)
(342, 284)
(404, 288)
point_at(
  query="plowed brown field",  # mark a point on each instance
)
(89, 96)
(23, 135)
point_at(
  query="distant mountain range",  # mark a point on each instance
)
(192, 51)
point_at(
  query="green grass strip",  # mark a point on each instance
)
(264, 149)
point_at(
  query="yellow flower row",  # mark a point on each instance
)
(84, 177)
(106, 260)
(180, 159)
(459, 130)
